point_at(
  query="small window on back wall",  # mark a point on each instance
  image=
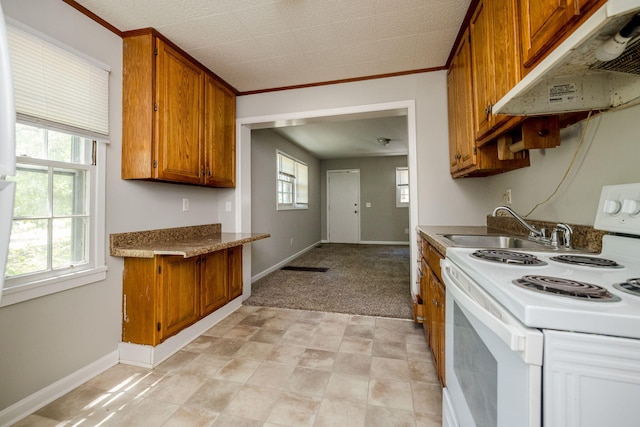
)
(402, 187)
(292, 188)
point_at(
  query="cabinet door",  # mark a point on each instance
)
(482, 67)
(235, 272)
(453, 119)
(463, 104)
(542, 23)
(506, 52)
(179, 288)
(426, 298)
(214, 284)
(220, 135)
(179, 95)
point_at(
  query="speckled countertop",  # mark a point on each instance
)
(585, 238)
(184, 241)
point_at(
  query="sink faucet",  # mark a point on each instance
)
(567, 233)
(534, 233)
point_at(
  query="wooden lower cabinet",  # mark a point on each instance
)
(433, 295)
(235, 272)
(167, 293)
(179, 306)
(214, 281)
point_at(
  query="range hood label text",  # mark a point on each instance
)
(562, 93)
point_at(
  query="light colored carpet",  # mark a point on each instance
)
(371, 280)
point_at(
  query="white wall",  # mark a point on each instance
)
(382, 221)
(46, 339)
(608, 155)
(441, 200)
(292, 231)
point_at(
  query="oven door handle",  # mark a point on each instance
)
(480, 304)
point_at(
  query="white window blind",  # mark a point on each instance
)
(292, 189)
(402, 187)
(53, 85)
(302, 189)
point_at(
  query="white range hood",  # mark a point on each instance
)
(567, 80)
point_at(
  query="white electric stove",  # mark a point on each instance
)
(558, 332)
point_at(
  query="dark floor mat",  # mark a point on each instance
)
(314, 269)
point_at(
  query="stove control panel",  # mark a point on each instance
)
(619, 209)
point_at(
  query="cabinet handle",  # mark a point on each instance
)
(208, 172)
(487, 110)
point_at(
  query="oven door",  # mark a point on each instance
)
(493, 362)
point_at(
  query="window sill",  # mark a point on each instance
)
(292, 208)
(28, 291)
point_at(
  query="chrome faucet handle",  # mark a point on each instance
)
(556, 239)
(567, 234)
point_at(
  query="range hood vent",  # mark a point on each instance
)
(628, 62)
(572, 79)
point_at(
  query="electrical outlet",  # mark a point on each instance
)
(291, 241)
(227, 207)
(185, 205)
(507, 196)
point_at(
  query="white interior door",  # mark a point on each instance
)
(343, 206)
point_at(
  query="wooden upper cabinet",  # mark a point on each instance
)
(220, 135)
(482, 69)
(544, 23)
(495, 53)
(461, 135)
(178, 121)
(179, 104)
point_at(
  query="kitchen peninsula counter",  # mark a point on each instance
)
(184, 241)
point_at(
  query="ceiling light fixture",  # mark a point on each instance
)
(384, 141)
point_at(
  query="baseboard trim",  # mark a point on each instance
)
(147, 356)
(48, 394)
(283, 263)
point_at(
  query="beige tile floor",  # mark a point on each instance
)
(269, 367)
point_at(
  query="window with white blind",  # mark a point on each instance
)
(292, 189)
(62, 100)
(402, 187)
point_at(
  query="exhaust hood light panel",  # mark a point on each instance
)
(564, 95)
(570, 63)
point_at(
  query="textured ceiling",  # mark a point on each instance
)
(351, 138)
(265, 44)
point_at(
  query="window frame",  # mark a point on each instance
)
(29, 286)
(399, 187)
(295, 182)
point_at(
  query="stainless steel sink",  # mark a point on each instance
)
(494, 241)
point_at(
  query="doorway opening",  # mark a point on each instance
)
(243, 195)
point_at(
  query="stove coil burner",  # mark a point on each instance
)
(508, 257)
(587, 261)
(566, 288)
(631, 286)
